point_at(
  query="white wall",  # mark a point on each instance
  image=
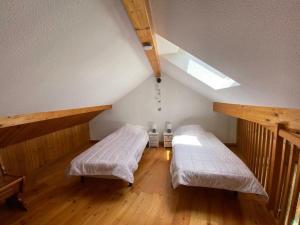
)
(180, 105)
(65, 54)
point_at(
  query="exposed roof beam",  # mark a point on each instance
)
(140, 16)
(260, 114)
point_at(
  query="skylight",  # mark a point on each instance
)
(194, 66)
(210, 76)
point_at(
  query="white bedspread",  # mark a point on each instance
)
(116, 155)
(200, 159)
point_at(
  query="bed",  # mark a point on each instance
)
(200, 159)
(116, 156)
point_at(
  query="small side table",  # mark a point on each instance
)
(168, 137)
(153, 140)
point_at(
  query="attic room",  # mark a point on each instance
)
(150, 112)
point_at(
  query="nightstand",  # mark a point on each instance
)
(168, 139)
(153, 139)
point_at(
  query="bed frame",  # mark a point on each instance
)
(105, 177)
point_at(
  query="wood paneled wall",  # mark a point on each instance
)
(30, 141)
(26, 157)
(16, 129)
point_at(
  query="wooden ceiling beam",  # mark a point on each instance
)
(263, 115)
(140, 16)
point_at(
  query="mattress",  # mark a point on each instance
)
(200, 159)
(117, 155)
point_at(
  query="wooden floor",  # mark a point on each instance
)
(57, 199)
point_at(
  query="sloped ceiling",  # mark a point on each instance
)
(254, 42)
(57, 54)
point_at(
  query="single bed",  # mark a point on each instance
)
(200, 159)
(116, 156)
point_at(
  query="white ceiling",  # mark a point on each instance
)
(57, 54)
(255, 42)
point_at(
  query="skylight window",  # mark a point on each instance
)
(193, 66)
(210, 76)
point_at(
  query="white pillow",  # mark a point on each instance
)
(189, 129)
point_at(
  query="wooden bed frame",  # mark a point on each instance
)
(104, 177)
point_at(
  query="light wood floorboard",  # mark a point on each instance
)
(57, 199)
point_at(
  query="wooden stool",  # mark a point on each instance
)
(10, 188)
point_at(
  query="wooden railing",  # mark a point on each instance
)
(255, 142)
(285, 187)
(273, 153)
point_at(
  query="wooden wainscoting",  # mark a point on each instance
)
(15, 129)
(30, 141)
(26, 157)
